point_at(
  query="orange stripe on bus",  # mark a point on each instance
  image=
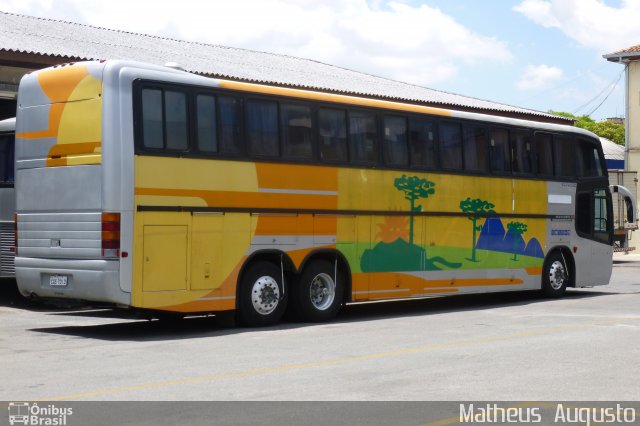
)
(328, 97)
(55, 114)
(253, 200)
(59, 154)
(278, 225)
(282, 176)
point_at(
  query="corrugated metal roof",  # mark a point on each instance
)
(29, 34)
(612, 151)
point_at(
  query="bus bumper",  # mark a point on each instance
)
(91, 280)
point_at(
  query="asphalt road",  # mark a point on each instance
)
(507, 347)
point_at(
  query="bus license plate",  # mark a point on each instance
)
(58, 280)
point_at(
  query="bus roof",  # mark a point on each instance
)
(112, 69)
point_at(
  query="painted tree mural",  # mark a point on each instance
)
(517, 229)
(476, 207)
(414, 188)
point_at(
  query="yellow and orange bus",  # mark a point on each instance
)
(153, 188)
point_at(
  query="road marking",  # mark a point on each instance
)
(338, 361)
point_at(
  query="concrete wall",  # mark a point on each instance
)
(633, 129)
(633, 113)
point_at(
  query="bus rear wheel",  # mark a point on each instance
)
(262, 295)
(555, 276)
(318, 295)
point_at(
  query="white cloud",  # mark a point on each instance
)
(539, 77)
(391, 38)
(591, 23)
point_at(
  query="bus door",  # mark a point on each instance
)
(594, 224)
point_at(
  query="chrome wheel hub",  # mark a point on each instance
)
(557, 275)
(265, 295)
(322, 291)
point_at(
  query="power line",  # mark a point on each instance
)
(609, 87)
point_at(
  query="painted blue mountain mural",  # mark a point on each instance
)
(494, 237)
(534, 249)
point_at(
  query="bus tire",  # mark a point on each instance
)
(262, 296)
(555, 276)
(318, 293)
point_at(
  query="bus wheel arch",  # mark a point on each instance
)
(558, 272)
(262, 291)
(321, 287)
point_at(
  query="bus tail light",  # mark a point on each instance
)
(111, 234)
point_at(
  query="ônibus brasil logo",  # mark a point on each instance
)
(31, 414)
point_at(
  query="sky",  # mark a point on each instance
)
(538, 54)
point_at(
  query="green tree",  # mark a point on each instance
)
(517, 228)
(605, 129)
(477, 207)
(414, 188)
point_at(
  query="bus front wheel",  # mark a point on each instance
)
(262, 295)
(318, 294)
(555, 276)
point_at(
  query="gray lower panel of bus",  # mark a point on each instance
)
(94, 280)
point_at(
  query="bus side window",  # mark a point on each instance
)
(332, 129)
(207, 124)
(262, 128)
(296, 131)
(499, 152)
(521, 151)
(476, 148)
(395, 141)
(177, 132)
(422, 143)
(450, 137)
(362, 138)
(544, 154)
(564, 156)
(588, 160)
(229, 125)
(152, 128)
